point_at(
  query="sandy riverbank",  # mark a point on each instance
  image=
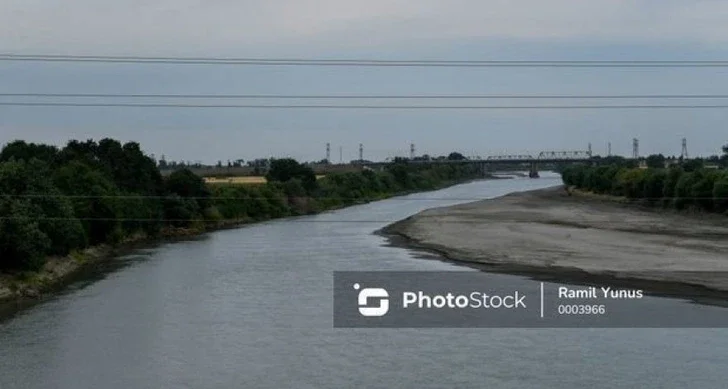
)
(550, 233)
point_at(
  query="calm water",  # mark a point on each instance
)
(251, 308)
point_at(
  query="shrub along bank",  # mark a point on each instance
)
(676, 187)
(54, 201)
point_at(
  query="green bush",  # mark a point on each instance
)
(58, 201)
(720, 193)
(23, 245)
(696, 187)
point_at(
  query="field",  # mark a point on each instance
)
(245, 180)
(240, 180)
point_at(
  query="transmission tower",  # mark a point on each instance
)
(684, 152)
(361, 152)
(635, 148)
(412, 151)
(328, 152)
(609, 149)
(341, 154)
(590, 150)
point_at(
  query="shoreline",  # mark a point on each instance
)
(59, 272)
(579, 239)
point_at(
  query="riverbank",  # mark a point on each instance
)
(554, 235)
(58, 272)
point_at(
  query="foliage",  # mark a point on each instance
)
(20, 150)
(695, 187)
(455, 156)
(655, 161)
(57, 201)
(720, 193)
(282, 170)
(692, 165)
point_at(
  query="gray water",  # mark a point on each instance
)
(251, 308)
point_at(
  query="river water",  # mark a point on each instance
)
(252, 307)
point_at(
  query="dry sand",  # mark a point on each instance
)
(548, 232)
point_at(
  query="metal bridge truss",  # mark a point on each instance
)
(520, 157)
(564, 155)
(544, 155)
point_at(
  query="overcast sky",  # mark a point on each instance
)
(372, 29)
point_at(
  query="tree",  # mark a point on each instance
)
(187, 184)
(630, 183)
(616, 160)
(720, 193)
(654, 185)
(53, 212)
(455, 156)
(692, 165)
(656, 161)
(96, 200)
(282, 170)
(724, 157)
(23, 245)
(673, 176)
(683, 189)
(702, 189)
(20, 150)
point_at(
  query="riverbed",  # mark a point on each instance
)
(551, 231)
(252, 307)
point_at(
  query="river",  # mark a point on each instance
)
(252, 308)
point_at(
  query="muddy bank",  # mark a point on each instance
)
(549, 233)
(60, 271)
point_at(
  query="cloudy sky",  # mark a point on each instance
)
(373, 29)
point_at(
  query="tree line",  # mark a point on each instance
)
(56, 200)
(686, 185)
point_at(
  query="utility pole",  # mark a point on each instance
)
(635, 148)
(361, 152)
(328, 152)
(609, 149)
(341, 155)
(412, 151)
(684, 152)
(590, 150)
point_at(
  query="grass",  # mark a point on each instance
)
(79, 256)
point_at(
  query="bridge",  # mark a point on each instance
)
(542, 160)
(542, 157)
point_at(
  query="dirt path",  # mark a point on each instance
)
(549, 230)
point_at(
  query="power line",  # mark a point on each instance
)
(289, 106)
(268, 96)
(403, 198)
(171, 197)
(287, 220)
(360, 62)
